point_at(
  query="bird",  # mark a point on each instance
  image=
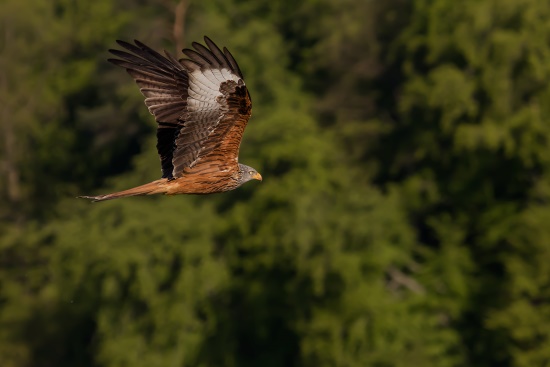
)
(201, 105)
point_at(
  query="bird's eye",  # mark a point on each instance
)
(250, 172)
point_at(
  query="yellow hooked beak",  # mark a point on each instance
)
(257, 176)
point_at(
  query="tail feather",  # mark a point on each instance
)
(151, 188)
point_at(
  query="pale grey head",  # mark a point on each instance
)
(247, 173)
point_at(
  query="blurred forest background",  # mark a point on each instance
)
(403, 220)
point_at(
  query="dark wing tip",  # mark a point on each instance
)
(234, 66)
(115, 61)
(141, 45)
(208, 54)
(123, 43)
(196, 57)
(196, 44)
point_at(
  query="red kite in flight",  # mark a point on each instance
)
(202, 106)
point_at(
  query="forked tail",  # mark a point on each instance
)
(151, 188)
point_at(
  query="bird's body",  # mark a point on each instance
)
(215, 181)
(202, 106)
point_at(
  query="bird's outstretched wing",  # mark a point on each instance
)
(201, 104)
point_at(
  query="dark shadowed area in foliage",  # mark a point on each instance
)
(402, 220)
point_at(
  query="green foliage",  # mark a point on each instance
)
(402, 220)
(462, 135)
(476, 102)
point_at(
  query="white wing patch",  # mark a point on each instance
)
(204, 112)
(204, 88)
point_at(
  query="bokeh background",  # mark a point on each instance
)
(403, 220)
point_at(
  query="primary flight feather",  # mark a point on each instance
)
(201, 105)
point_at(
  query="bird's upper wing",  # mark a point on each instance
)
(201, 104)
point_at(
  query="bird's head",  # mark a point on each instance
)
(248, 173)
